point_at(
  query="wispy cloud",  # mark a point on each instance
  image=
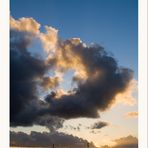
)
(131, 115)
(127, 97)
(99, 125)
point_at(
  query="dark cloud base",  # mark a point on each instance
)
(36, 139)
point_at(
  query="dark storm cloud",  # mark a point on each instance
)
(26, 71)
(105, 79)
(98, 78)
(51, 122)
(46, 139)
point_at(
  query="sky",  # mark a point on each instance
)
(109, 23)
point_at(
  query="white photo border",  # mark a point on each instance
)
(5, 71)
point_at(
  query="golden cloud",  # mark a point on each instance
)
(131, 115)
(124, 142)
(126, 97)
(49, 39)
(50, 82)
(25, 24)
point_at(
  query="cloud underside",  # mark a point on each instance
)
(36, 139)
(97, 76)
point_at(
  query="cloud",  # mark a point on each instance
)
(25, 25)
(97, 75)
(50, 82)
(44, 139)
(99, 125)
(127, 96)
(49, 39)
(131, 115)
(124, 142)
(27, 72)
(99, 80)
